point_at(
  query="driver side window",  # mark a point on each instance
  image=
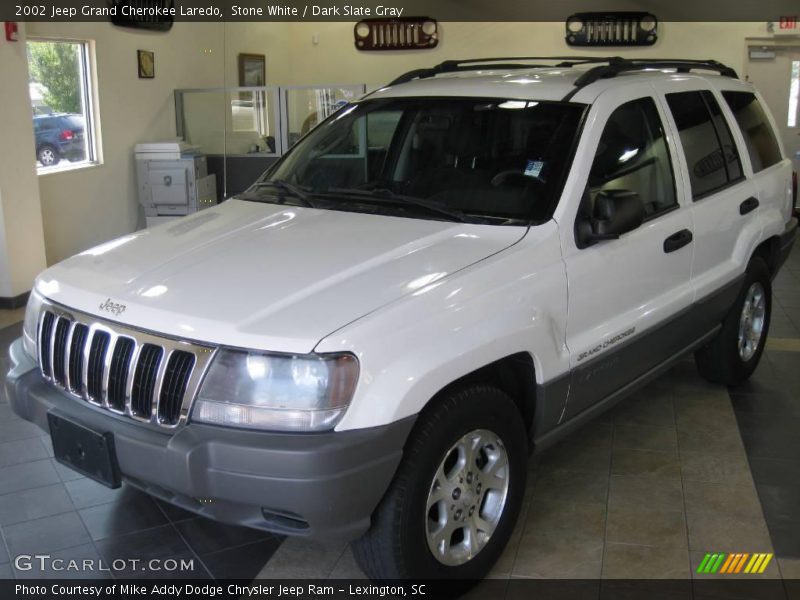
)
(633, 156)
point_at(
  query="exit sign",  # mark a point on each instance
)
(785, 25)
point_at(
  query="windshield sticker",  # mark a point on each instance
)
(533, 168)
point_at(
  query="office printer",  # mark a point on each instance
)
(172, 180)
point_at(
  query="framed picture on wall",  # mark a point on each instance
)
(252, 70)
(147, 64)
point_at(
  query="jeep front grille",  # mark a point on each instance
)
(128, 372)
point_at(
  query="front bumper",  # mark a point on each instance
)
(316, 485)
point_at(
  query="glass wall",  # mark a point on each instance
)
(243, 130)
(308, 106)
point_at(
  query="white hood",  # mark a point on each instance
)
(264, 276)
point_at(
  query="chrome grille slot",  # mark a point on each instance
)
(144, 380)
(75, 362)
(45, 338)
(118, 373)
(59, 351)
(132, 373)
(97, 355)
(176, 377)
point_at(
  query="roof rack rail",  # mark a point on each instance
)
(617, 65)
(607, 66)
(472, 64)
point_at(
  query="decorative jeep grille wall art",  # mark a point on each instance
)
(622, 28)
(406, 33)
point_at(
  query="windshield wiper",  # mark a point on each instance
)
(288, 189)
(387, 196)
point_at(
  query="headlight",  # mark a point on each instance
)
(30, 324)
(281, 393)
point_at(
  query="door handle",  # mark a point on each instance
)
(678, 240)
(748, 205)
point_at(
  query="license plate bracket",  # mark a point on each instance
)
(89, 452)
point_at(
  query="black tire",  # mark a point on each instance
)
(47, 155)
(396, 546)
(720, 361)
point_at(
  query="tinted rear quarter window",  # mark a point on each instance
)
(711, 156)
(762, 146)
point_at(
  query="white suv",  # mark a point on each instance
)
(463, 266)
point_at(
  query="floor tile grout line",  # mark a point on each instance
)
(683, 492)
(28, 489)
(8, 552)
(57, 514)
(532, 467)
(608, 498)
(755, 484)
(238, 546)
(524, 516)
(118, 535)
(185, 541)
(75, 510)
(336, 562)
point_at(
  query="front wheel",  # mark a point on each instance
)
(734, 354)
(452, 505)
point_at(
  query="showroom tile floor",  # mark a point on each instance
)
(682, 468)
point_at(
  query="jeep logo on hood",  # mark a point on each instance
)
(113, 307)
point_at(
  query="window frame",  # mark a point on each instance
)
(702, 92)
(88, 87)
(559, 182)
(792, 119)
(676, 205)
(768, 121)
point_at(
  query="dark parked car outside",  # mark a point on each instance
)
(59, 136)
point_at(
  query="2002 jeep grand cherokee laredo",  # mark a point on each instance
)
(464, 265)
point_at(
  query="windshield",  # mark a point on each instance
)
(467, 159)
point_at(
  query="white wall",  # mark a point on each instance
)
(84, 207)
(269, 39)
(334, 59)
(21, 237)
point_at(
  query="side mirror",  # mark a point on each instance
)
(615, 212)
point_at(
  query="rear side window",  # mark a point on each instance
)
(632, 155)
(758, 135)
(711, 155)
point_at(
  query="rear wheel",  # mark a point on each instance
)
(735, 353)
(452, 505)
(47, 155)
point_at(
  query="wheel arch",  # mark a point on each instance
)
(769, 250)
(514, 374)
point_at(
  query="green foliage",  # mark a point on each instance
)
(55, 66)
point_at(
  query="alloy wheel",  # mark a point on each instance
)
(752, 321)
(467, 497)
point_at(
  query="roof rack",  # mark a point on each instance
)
(617, 65)
(472, 64)
(608, 66)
